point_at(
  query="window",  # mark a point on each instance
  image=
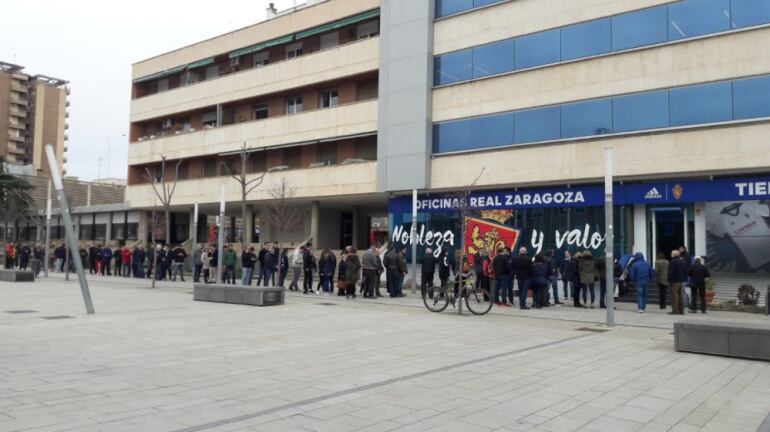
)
(209, 168)
(329, 98)
(586, 39)
(294, 105)
(541, 124)
(184, 171)
(586, 118)
(368, 30)
(190, 77)
(452, 136)
(261, 59)
(751, 98)
(492, 131)
(449, 7)
(212, 72)
(640, 111)
(260, 111)
(258, 162)
(330, 40)
(698, 17)
(366, 148)
(701, 104)
(327, 153)
(493, 58)
(453, 67)
(538, 49)
(640, 28)
(228, 116)
(748, 13)
(209, 120)
(132, 231)
(163, 85)
(294, 50)
(366, 90)
(291, 157)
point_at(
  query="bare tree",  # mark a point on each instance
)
(464, 208)
(247, 186)
(166, 192)
(281, 214)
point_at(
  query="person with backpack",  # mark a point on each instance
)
(641, 274)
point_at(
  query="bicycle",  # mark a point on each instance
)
(477, 300)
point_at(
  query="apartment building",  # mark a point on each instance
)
(33, 113)
(356, 103)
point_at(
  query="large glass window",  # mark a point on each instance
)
(541, 124)
(640, 111)
(586, 118)
(449, 7)
(748, 13)
(452, 136)
(701, 104)
(586, 39)
(640, 28)
(492, 131)
(751, 97)
(453, 67)
(538, 49)
(493, 58)
(698, 17)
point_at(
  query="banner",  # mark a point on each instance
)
(484, 235)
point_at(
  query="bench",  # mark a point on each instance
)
(238, 294)
(17, 276)
(732, 339)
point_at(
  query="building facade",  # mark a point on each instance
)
(33, 113)
(356, 103)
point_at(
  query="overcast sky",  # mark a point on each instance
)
(93, 43)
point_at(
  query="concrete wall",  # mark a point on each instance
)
(406, 77)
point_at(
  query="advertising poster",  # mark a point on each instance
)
(738, 236)
(482, 234)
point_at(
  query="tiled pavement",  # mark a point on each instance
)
(154, 360)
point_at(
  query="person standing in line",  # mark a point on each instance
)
(677, 275)
(117, 258)
(523, 268)
(403, 270)
(169, 261)
(601, 270)
(352, 271)
(137, 261)
(444, 269)
(283, 267)
(10, 254)
(228, 260)
(567, 275)
(149, 261)
(553, 276)
(296, 267)
(539, 282)
(641, 274)
(93, 253)
(197, 264)
(392, 271)
(308, 267)
(125, 262)
(341, 274)
(269, 264)
(206, 264)
(369, 264)
(24, 253)
(248, 259)
(327, 265)
(501, 270)
(378, 277)
(261, 263)
(59, 254)
(587, 277)
(178, 256)
(106, 255)
(428, 272)
(661, 278)
(698, 274)
(577, 286)
(487, 274)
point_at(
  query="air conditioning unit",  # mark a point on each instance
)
(235, 61)
(168, 123)
(278, 168)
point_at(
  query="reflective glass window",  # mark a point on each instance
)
(586, 118)
(538, 49)
(698, 17)
(492, 131)
(453, 67)
(586, 39)
(449, 7)
(535, 125)
(707, 103)
(640, 111)
(480, 3)
(751, 98)
(493, 58)
(452, 136)
(640, 28)
(748, 13)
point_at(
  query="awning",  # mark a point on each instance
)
(165, 73)
(261, 46)
(338, 24)
(200, 63)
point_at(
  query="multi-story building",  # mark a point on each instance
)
(358, 102)
(33, 113)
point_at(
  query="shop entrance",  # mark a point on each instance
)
(669, 230)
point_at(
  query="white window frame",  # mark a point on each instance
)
(333, 98)
(294, 50)
(294, 105)
(261, 59)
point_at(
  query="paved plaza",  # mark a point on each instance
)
(154, 360)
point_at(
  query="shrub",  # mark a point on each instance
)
(747, 295)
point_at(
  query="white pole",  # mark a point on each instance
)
(221, 243)
(195, 226)
(414, 241)
(47, 230)
(609, 242)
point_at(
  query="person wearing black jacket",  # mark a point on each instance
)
(444, 269)
(261, 261)
(93, 254)
(247, 264)
(428, 271)
(117, 259)
(500, 267)
(392, 271)
(522, 266)
(677, 276)
(698, 274)
(308, 267)
(567, 274)
(283, 267)
(24, 253)
(269, 263)
(160, 264)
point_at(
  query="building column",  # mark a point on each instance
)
(142, 231)
(191, 226)
(248, 225)
(700, 229)
(640, 229)
(357, 227)
(315, 216)
(108, 232)
(77, 227)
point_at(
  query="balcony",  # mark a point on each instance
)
(344, 120)
(14, 149)
(15, 136)
(19, 101)
(16, 124)
(15, 86)
(331, 64)
(18, 113)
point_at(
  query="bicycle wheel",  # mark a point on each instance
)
(439, 302)
(478, 301)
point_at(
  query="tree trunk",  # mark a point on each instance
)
(168, 226)
(244, 239)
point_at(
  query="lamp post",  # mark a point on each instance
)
(221, 241)
(47, 229)
(609, 241)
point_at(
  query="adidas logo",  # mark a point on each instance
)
(653, 194)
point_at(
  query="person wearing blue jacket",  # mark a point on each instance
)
(641, 274)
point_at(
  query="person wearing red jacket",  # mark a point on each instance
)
(125, 262)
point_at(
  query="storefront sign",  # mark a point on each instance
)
(694, 191)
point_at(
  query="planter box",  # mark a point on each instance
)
(732, 339)
(17, 276)
(237, 294)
